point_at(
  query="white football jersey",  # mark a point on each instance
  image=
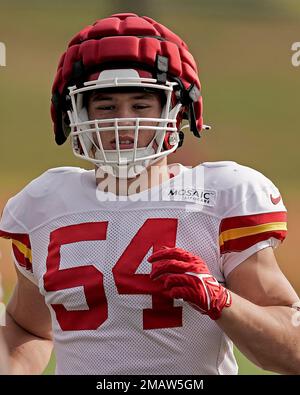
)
(87, 252)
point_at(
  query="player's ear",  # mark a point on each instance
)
(66, 124)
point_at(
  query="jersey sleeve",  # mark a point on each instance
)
(11, 228)
(257, 219)
(30, 208)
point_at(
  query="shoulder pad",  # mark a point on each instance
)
(239, 189)
(219, 163)
(65, 169)
(33, 204)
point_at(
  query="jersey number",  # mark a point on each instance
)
(154, 233)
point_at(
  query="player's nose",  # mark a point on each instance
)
(127, 113)
(126, 121)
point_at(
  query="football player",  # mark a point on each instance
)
(162, 274)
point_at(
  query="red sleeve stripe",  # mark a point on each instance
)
(21, 248)
(252, 220)
(242, 243)
(21, 237)
(23, 260)
(250, 230)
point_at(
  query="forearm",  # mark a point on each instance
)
(3, 354)
(264, 334)
(27, 354)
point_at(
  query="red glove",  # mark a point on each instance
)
(187, 276)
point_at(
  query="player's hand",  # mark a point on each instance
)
(186, 276)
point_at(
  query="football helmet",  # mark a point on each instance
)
(123, 52)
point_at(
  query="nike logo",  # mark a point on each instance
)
(275, 200)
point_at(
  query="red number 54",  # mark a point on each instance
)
(154, 233)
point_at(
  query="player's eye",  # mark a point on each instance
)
(141, 106)
(105, 108)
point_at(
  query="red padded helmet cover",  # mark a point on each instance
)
(122, 38)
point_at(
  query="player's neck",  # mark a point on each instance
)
(152, 176)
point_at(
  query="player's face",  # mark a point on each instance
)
(137, 104)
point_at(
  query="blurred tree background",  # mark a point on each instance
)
(249, 85)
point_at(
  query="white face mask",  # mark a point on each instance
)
(87, 134)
